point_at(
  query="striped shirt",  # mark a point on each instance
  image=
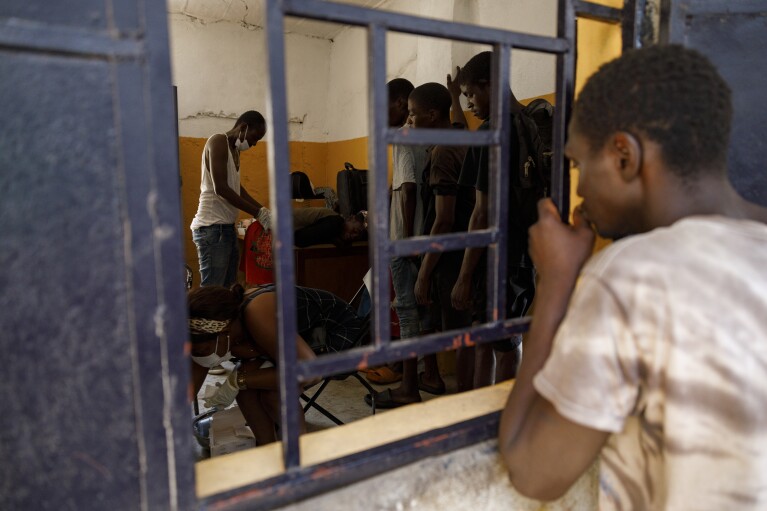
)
(665, 345)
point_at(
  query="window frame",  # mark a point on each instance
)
(298, 482)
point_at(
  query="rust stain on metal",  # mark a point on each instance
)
(429, 441)
(248, 496)
(363, 363)
(437, 246)
(323, 472)
(461, 341)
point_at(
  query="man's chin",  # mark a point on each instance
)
(610, 234)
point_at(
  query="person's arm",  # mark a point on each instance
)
(408, 195)
(544, 452)
(219, 158)
(260, 317)
(245, 195)
(444, 206)
(461, 294)
(409, 201)
(456, 110)
(255, 377)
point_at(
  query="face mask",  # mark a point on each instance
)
(242, 145)
(214, 359)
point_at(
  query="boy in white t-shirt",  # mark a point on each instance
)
(652, 354)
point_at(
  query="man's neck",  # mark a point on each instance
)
(711, 195)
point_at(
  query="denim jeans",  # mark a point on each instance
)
(404, 273)
(218, 254)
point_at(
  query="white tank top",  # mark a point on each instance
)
(213, 209)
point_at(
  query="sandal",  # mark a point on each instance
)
(382, 375)
(384, 400)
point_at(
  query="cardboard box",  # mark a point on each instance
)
(229, 433)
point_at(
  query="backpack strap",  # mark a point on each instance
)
(530, 153)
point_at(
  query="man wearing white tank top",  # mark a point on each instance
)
(222, 197)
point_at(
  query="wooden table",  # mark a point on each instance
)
(338, 270)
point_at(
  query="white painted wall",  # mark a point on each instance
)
(532, 74)
(348, 90)
(423, 59)
(220, 67)
(220, 71)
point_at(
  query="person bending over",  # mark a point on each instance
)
(652, 354)
(234, 323)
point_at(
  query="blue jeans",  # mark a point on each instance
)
(218, 254)
(404, 273)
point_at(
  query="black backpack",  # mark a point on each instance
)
(532, 181)
(534, 133)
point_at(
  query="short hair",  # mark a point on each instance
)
(253, 119)
(670, 94)
(477, 70)
(399, 88)
(433, 96)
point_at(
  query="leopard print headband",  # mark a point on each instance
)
(206, 326)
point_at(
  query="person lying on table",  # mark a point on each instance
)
(234, 323)
(316, 226)
(312, 226)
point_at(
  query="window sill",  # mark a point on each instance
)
(232, 471)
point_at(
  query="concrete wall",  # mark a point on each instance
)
(220, 71)
(470, 478)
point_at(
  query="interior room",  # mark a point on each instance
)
(216, 75)
(204, 308)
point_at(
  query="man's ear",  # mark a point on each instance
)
(626, 152)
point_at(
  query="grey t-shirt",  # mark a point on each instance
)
(408, 163)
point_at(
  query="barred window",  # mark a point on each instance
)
(299, 477)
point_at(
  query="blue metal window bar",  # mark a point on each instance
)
(300, 482)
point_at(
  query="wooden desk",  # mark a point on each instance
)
(338, 270)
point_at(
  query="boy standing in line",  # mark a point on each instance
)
(470, 292)
(406, 220)
(448, 208)
(651, 354)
